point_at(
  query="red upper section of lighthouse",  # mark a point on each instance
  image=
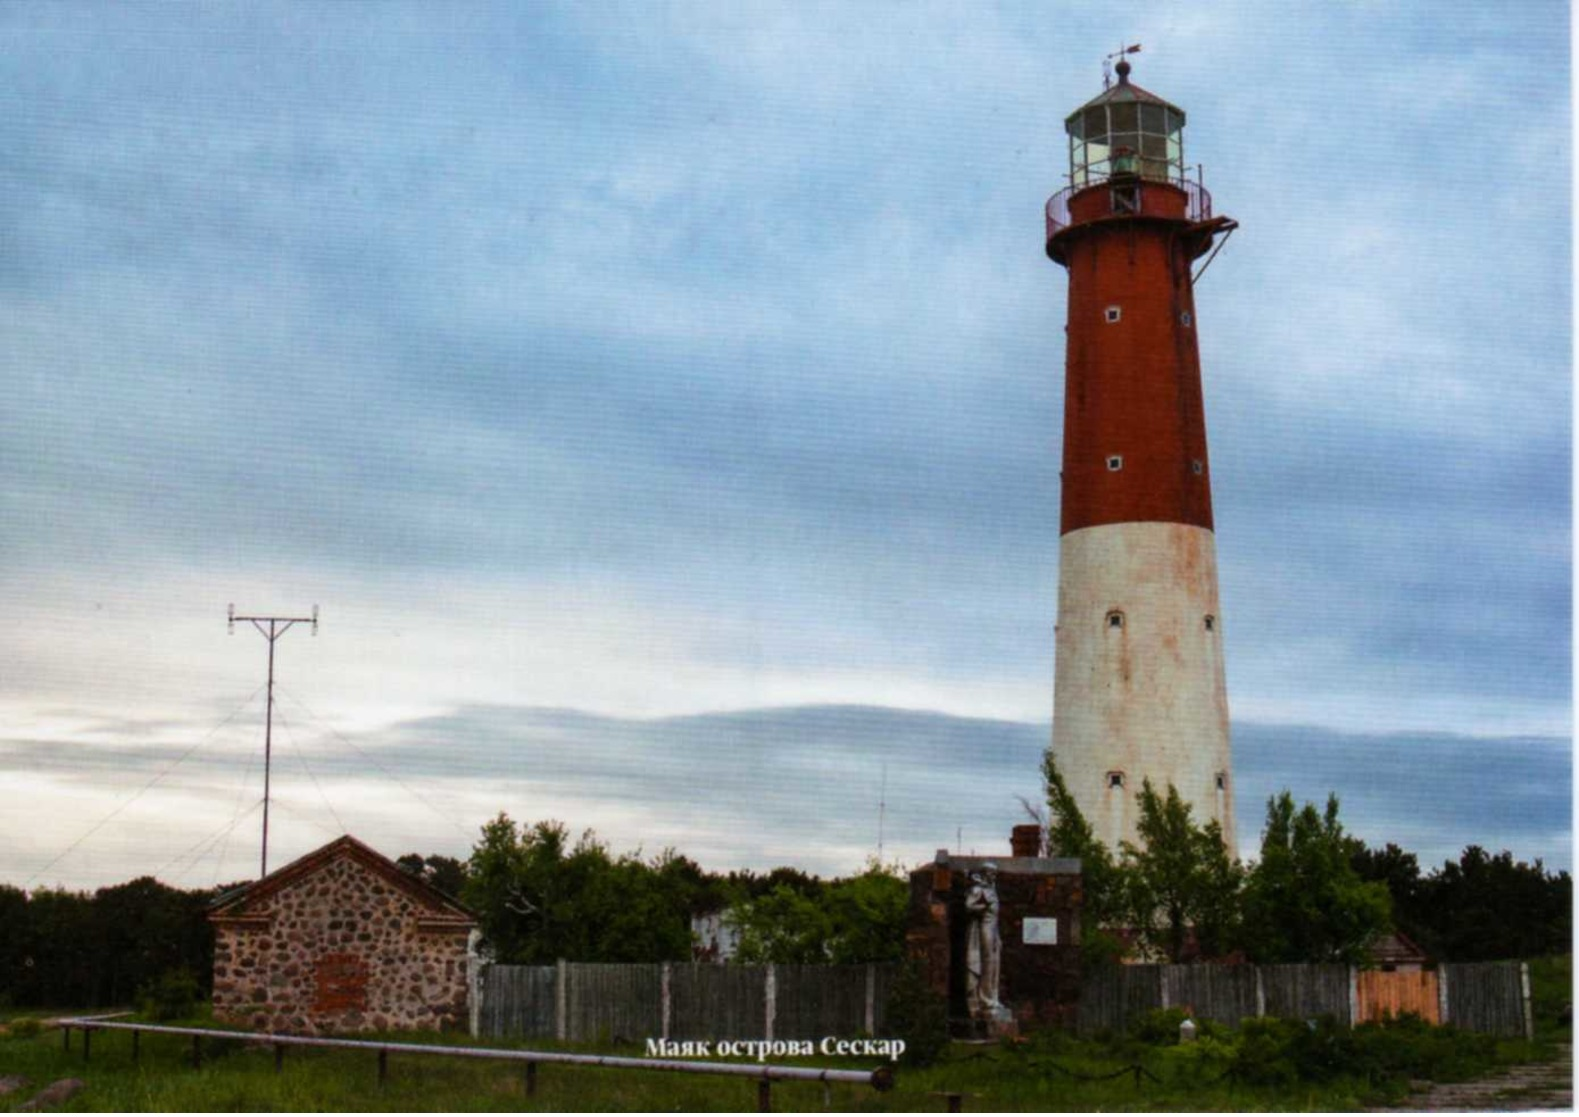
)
(1128, 228)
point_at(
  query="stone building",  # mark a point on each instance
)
(341, 940)
(1038, 901)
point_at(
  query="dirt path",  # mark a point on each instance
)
(1530, 1086)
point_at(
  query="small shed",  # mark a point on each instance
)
(1396, 952)
(341, 940)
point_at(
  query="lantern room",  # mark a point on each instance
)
(1125, 131)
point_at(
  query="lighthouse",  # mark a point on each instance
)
(1139, 692)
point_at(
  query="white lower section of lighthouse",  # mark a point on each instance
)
(1139, 692)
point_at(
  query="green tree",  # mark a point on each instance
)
(444, 873)
(783, 926)
(1070, 835)
(1486, 906)
(1304, 901)
(1179, 878)
(867, 913)
(1101, 878)
(539, 899)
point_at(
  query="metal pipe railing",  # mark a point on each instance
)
(1197, 205)
(880, 1078)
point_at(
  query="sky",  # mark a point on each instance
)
(662, 403)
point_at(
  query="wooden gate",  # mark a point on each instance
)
(1383, 993)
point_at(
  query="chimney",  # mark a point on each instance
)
(1026, 840)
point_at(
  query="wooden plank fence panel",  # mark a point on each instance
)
(815, 1001)
(1485, 997)
(1114, 998)
(711, 1001)
(1226, 994)
(883, 987)
(614, 1002)
(517, 1001)
(1305, 992)
(1383, 994)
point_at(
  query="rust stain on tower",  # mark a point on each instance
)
(1140, 691)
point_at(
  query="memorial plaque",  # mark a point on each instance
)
(1039, 931)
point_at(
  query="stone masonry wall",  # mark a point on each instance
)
(1039, 984)
(340, 950)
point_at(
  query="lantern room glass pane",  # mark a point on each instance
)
(1153, 147)
(1174, 123)
(1095, 123)
(1151, 119)
(1124, 117)
(1126, 139)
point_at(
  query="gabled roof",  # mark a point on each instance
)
(446, 908)
(1396, 948)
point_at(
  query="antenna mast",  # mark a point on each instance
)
(277, 627)
(882, 809)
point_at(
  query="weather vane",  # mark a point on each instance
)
(1107, 63)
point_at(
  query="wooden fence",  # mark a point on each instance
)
(707, 1001)
(684, 1001)
(1488, 997)
(1485, 997)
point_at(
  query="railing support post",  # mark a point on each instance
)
(765, 1096)
(87, 1043)
(279, 1057)
(531, 1079)
(65, 1037)
(136, 1045)
(197, 1051)
(383, 1067)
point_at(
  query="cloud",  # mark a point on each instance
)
(815, 787)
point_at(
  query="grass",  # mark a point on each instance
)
(1551, 993)
(1050, 1072)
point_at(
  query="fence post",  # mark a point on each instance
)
(770, 997)
(1260, 993)
(1442, 1013)
(1162, 986)
(1529, 1010)
(667, 995)
(561, 999)
(1354, 997)
(871, 999)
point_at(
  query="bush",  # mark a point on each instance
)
(918, 1015)
(1263, 1057)
(25, 1027)
(173, 996)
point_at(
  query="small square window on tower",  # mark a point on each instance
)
(1196, 467)
(1211, 623)
(1113, 314)
(1185, 319)
(1115, 462)
(1115, 619)
(1222, 781)
(1115, 781)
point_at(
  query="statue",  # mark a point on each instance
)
(983, 947)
